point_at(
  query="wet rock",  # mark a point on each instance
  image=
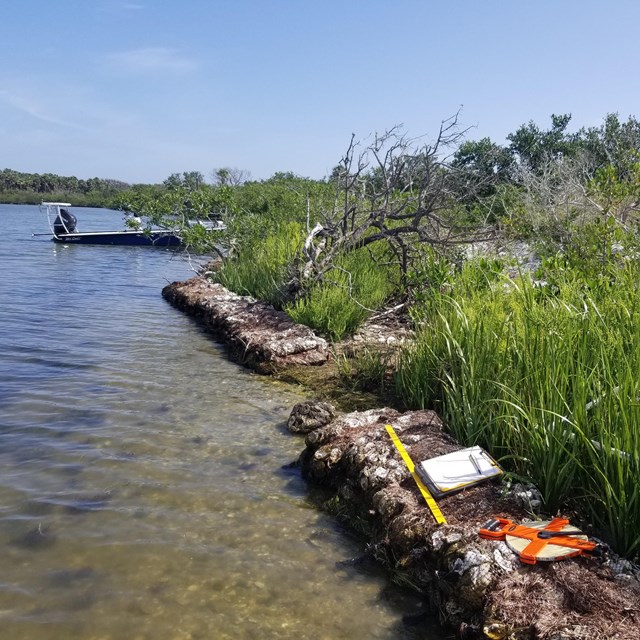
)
(69, 577)
(310, 415)
(256, 334)
(477, 585)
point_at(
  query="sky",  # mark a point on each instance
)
(136, 90)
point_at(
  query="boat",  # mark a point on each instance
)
(64, 229)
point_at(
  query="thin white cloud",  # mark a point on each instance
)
(62, 105)
(30, 107)
(116, 7)
(151, 60)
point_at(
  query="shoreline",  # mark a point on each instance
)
(478, 587)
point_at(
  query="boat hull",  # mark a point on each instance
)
(123, 238)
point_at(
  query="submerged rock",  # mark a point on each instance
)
(475, 584)
(39, 537)
(310, 415)
(257, 334)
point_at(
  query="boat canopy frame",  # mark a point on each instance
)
(53, 209)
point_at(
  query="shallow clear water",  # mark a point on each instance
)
(143, 493)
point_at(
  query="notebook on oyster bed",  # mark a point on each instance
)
(457, 470)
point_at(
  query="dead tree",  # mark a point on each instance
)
(230, 176)
(398, 191)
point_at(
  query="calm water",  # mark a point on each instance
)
(142, 489)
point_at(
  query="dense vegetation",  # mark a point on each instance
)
(539, 367)
(544, 373)
(33, 188)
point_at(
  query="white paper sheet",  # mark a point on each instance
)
(457, 470)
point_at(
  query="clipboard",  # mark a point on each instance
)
(457, 470)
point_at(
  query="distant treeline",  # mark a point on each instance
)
(32, 188)
(476, 170)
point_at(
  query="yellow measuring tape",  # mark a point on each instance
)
(426, 494)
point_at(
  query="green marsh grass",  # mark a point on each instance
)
(367, 369)
(261, 266)
(351, 291)
(547, 378)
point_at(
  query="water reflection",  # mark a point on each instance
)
(144, 488)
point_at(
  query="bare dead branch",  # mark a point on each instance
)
(398, 191)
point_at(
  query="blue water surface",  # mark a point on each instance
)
(144, 492)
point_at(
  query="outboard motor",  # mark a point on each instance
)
(65, 222)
